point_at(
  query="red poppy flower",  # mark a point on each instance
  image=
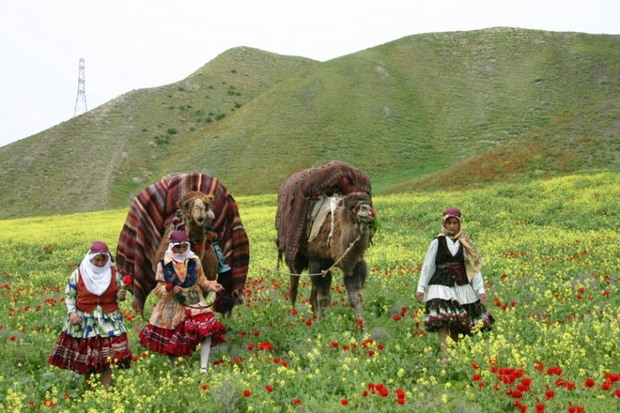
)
(334, 344)
(204, 387)
(400, 393)
(612, 377)
(247, 393)
(344, 402)
(400, 401)
(265, 346)
(540, 408)
(127, 280)
(364, 393)
(168, 287)
(589, 383)
(297, 402)
(269, 388)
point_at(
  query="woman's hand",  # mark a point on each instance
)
(121, 295)
(213, 286)
(74, 318)
(483, 298)
(177, 289)
(419, 297)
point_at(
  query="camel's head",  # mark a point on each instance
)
(359, 205)
(196, 206)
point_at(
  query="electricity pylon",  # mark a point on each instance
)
(80, 100)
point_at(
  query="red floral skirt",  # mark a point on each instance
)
(90, 355)
(183, 340)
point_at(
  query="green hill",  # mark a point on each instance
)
(455, 110)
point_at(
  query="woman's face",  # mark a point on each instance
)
(99, 260)
(452, 225)
(180, 249)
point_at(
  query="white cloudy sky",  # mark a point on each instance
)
(134, 44)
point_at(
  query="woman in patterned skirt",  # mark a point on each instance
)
(451, 284)
(93, 337)
(182, 318)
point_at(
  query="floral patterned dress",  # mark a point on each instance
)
(179, 323)
(98, 341)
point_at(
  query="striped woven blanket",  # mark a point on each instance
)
(295, 199)
(150, 213)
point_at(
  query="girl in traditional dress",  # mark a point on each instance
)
(451, 284)
(182, 318)
(93, 337)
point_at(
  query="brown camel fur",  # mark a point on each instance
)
(195, 214)
(351, 234)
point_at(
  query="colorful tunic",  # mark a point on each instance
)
(100, 339)
(450, 299)
(179, 323)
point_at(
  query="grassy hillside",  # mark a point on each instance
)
(488, 105)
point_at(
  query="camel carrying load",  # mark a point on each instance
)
(200, 205)
(325, 219)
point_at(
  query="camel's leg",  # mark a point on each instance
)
(354, 284)
(292, 288)
(320, 297)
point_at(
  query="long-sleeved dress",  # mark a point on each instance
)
(100, 339)
(451, 299)
(178, 324)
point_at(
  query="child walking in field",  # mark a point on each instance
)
(182, 318)
(93, 337)
(451, 284)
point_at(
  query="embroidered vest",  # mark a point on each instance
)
(170, 275)
(449, 269)
(87, 302)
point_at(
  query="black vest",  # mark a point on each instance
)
(449, 269)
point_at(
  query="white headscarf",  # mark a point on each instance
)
(96, 279)
(180, 258)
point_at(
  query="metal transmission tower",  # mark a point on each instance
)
(80, 100)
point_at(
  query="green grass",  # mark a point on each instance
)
(551, 274)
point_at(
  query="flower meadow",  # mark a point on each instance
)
(552, 254)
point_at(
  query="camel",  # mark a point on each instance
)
(161, 204)
(341, 241)
(194, 216)
(325, 220)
